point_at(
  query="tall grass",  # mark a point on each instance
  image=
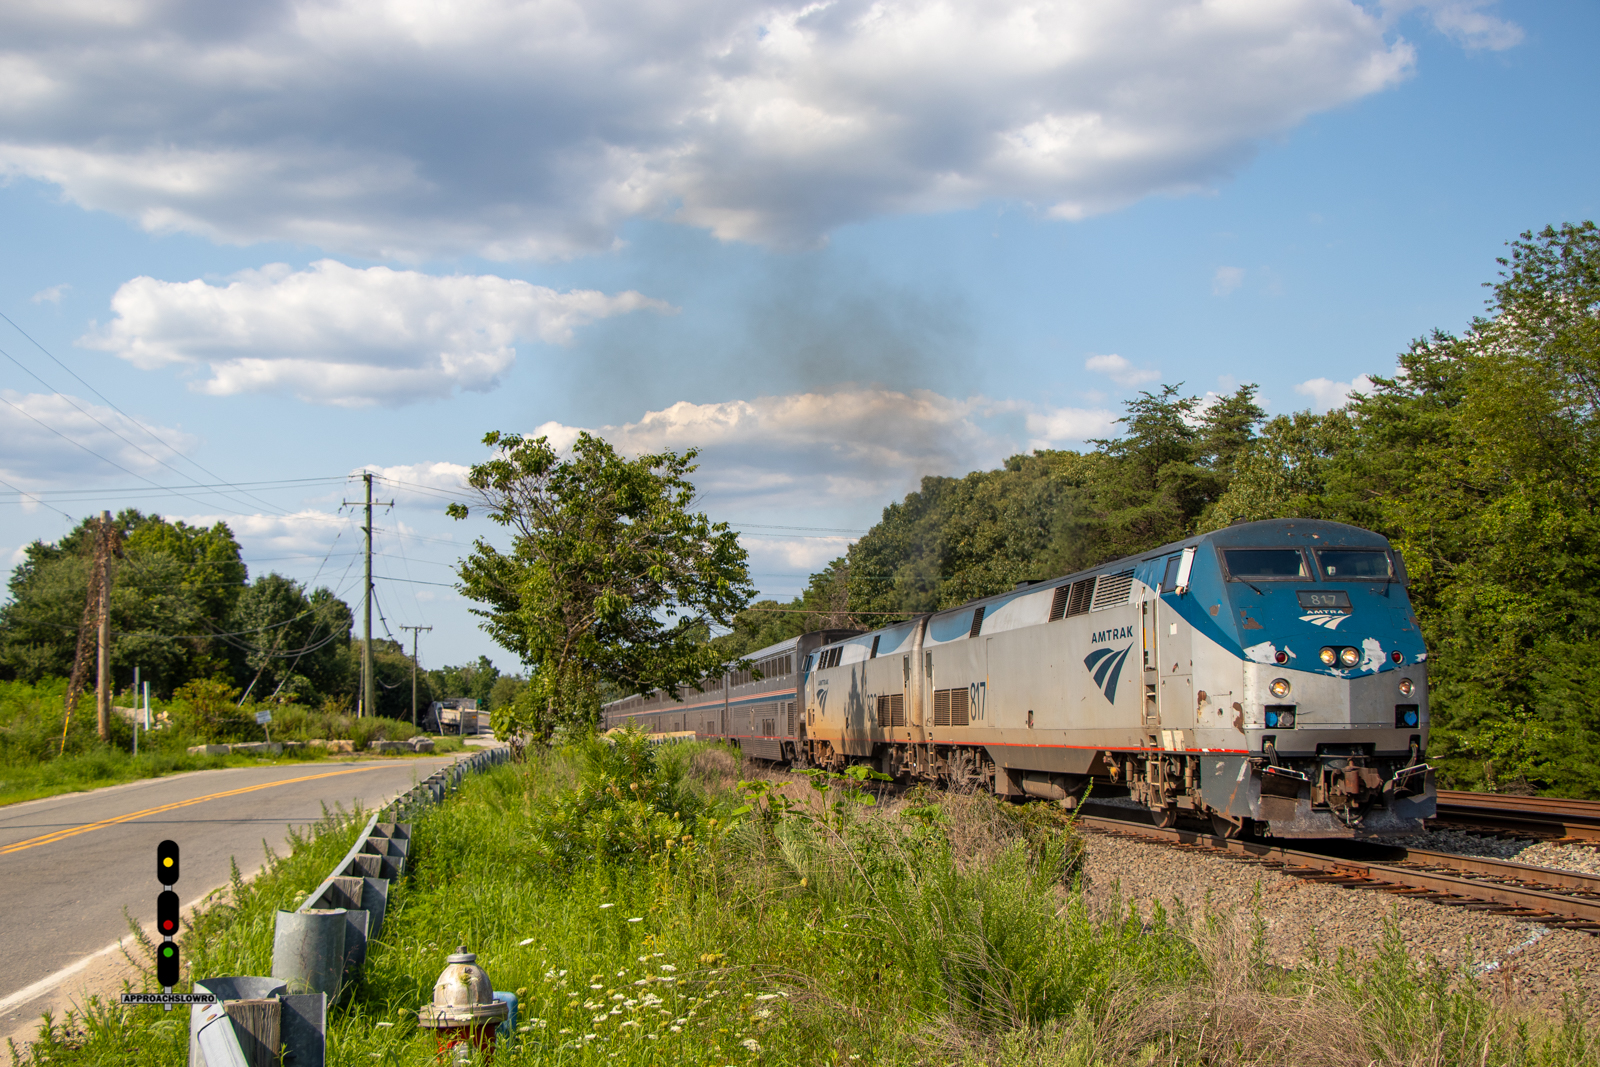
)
(649, 909)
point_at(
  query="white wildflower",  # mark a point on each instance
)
(526, 941)
(618, 996)
(677, 1029)
(637, 919)
(764, 1013)
(668, 967)
(752, 1044)
(603, 907)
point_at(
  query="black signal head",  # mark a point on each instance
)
(167, 964)
(167, 862)
(167, 919)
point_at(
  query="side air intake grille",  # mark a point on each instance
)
(892, 710)
(977, 623)
(1112, 590)
(1058, 602)
(1078, 602)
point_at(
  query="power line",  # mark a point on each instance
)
(96, 419)
(114, 407)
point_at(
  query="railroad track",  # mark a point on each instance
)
(1543, 817)
(1552, 898)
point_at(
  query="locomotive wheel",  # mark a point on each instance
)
(1164, 818)
(1223, 826)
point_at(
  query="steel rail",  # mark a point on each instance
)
(1535, 816)
(1511, 898)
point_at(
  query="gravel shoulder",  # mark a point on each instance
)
(1304, 921)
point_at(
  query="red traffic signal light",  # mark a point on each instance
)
(167, 862)
(167, 964)
(167, 913)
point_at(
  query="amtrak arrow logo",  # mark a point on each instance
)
(1107, 664)
(1328, 622)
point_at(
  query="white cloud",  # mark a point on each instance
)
(1226, 280)
(51, 295)
(1069, 427)
(303, 532)
(340, 335)
(513, 128)
(845, 445)
(49, 437)
(1327, 394)
(1467, 22)
(849, 451)
(1119, 370)
(430, 484)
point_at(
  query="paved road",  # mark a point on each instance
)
(69, 864)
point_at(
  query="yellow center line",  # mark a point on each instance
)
(73, 831)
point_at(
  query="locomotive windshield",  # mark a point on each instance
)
(1265, 563)
(1344, 564)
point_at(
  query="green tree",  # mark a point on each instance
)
(1480, 460)
(173, 587)
(473, 680)
(610, 578)
(286, 644)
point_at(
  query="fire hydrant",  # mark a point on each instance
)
(464, 1012)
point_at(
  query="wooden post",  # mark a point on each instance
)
(256, 1023)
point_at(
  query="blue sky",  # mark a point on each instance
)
(835, 246)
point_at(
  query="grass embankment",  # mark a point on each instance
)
(32, 764)
(644, 919)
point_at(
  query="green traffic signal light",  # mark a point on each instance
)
(167, 862)
(167, 964)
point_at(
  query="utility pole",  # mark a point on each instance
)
(415, 631)
(366, 615)
(102, 697)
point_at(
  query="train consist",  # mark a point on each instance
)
(1270, 676)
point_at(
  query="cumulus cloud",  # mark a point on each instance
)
(1119, 370)
(509, 129)
(52, 295)
(1327, 394)
(846, 445)
(51, 438)
(1226, 280)
(431, 484)
(341, 335)
(846, 451)
(1068, 427)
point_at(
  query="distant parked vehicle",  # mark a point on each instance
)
(456, 715)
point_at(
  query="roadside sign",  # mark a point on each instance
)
(263, 717)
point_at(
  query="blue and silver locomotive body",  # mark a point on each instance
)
(1268, 675)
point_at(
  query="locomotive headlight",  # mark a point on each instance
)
(1279, 688)
(1407, 687)
(1349, 657)
(1329, 656)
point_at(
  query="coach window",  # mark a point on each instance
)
(1169, 580)
(1266, 564)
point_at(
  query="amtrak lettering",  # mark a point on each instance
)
(1119, 633)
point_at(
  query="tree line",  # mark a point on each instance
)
(183, 609)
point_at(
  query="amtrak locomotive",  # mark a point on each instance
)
(1270, 676)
